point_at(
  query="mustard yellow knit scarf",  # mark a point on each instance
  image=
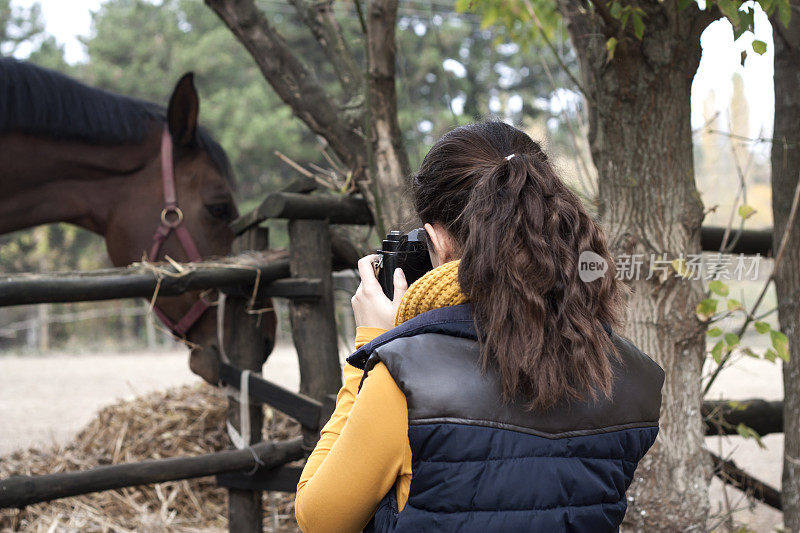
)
(437, 288)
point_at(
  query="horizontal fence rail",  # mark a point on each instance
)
(141, 281)
(294, 206)
(281, 479)
(763, 416)
(748, 242)
(19, 491)
(727, 471)
(307, 411)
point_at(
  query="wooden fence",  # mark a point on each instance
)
(305, 278)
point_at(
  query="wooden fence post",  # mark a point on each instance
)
(313, 322)
(245, 344)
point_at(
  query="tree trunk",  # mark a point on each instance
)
(641, 143)
(391, 165)
(785, 168)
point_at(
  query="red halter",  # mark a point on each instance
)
(172, 220)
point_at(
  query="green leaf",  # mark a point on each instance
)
(745, 23)
(716, 352)
(730, 9)
(746, 19)
(462, 6)
(706, 308)
(741, 28)
(624, 19)
(762, 327)
(770, 355)
(784, 12)
(638, 25)
(714, 332)
(731, 339)
(718, 287)
(780, 343)
(679, 265)
(489, 18)
(746, 211)
(749, 433)
(767, 6)
(737, 406)
(759, 47)
(611, 45)
(616, 10)
(734, 305)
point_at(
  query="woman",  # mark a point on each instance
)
(492, 394)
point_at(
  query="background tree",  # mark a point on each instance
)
(22, 31)
(452, 69)
(785, 169)
(359, 119)
(358, 116)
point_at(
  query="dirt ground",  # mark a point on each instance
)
(45, 399)
(48, 398)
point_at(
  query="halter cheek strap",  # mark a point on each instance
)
(172, 221)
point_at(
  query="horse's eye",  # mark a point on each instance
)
(221, 211)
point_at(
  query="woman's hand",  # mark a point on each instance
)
(371, 307)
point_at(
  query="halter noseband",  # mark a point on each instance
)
(172, 220)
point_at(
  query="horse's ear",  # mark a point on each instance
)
(182, 112)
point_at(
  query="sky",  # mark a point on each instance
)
(66, 20)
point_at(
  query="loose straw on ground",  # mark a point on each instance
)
(183, 421)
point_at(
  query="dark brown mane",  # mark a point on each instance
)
(42, 102)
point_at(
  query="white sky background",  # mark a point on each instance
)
(66, 20)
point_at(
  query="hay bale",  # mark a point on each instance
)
(188, 420)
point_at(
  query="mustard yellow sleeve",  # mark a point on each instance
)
(344, 402)
(333, 428)
(351, 470)
(364, 334)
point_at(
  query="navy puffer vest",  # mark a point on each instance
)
(481, 465)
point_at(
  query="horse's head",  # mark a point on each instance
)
(204, 208)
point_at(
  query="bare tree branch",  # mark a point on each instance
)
(363, 132)
(319, 17)
(550, 45)
(290, 78)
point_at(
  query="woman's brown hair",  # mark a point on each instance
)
(520, 231)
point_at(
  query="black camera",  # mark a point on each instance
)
(409, 252)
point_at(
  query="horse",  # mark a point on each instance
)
(151, 181)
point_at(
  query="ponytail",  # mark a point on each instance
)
(521, 231)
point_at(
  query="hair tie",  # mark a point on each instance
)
(508, 157)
